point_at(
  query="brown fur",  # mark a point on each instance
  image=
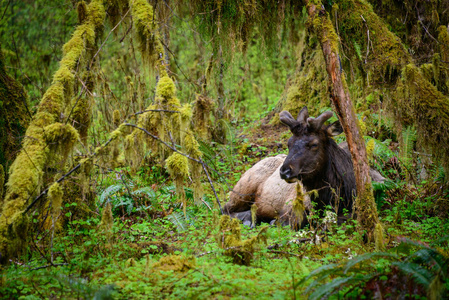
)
(262, 185)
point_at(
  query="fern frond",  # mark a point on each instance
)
(352, 262)
(109, 191)
(148, 191)
(326, 269)
(408, 141)
(178, 220)
(421, 275)
(332, 287)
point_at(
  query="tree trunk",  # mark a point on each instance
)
(365, 206)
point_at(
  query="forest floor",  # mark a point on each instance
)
(153, 251)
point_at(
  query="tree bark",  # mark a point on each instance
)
(365, 206)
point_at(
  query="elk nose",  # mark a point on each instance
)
(285, 172)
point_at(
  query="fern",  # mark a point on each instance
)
(109, 191)
(335, 285)
(421, 275)
(367, 256)
(357, 49)
(148, 191)
(178, 220)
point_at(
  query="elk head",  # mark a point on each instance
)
(308, 147)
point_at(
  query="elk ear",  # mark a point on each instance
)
(302, 116)
(334, 129)
(287, 119)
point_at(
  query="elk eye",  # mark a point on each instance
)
(313, 146)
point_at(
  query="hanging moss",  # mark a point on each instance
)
(443, 39)
(177, 165)
(55, 194)
(60, 138)
(116, 118)
(81, 116)
(107, 221)
(178, 168)
(146, 33)
(165, 88)
(186, 117)
(201, 116)
(298, 206)
(192, 149)
(82, 11)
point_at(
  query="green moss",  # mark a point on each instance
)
(386, 55)
(298, 206)
(166, 88)
(370, 149)
(419, 103)
(177, 165)
(379, 237)
(55, 194)
(176, 263)
(107, 221)
(191, 145)
(116, 118)
(201, 116)
(120, 131)
(82, 115)
(443, 39)
(82, 11)
(147, 35)
(229, 239)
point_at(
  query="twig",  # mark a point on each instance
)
(211, 185)
(155, 110)
(427, 31)
(127, 32)
(52, 265)
(4, 12)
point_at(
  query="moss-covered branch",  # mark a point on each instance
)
(47, 133)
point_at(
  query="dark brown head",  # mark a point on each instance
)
(307, 157)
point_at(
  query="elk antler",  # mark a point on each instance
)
(287, 119)
(316, 123)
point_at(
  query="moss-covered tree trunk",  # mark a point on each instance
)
(365, 206)
(13, 117)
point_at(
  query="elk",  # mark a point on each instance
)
(318, 162)
(314, 160)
